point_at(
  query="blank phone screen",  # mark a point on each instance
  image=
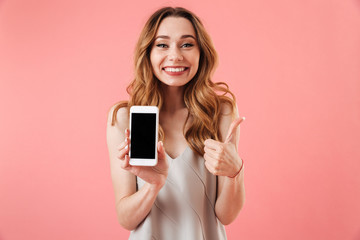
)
(143, 137)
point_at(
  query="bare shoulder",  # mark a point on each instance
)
(228, 111)
(118, 116)
(117, 122)
(228, 114)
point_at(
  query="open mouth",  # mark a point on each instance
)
(175, 69)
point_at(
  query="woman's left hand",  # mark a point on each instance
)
(222, 158)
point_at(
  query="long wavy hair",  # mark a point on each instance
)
(202, 96)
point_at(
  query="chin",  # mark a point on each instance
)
(175, 84)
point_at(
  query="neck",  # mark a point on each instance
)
(173, 99)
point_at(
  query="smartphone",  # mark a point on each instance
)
(144, 121)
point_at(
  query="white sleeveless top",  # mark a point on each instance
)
(185, 207)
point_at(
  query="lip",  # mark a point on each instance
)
(170, 66)
(175, 73)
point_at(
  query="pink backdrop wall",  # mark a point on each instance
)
(294, 66)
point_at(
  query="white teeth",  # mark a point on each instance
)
(168, 69)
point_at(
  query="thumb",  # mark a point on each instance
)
(231, 136)
(161, 151)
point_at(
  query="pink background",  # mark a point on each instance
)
(294, 66)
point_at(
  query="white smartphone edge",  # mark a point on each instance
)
(145, 109)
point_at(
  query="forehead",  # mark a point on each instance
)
(175, 27)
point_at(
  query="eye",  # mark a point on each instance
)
(187, 45)
(161, 45)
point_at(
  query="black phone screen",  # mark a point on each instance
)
(143, 127)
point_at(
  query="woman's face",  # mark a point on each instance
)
(175, 54)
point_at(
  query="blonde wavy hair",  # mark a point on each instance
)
(202, 96)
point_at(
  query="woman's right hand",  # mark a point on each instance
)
(155, 175)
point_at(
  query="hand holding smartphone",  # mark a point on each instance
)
(144, 122)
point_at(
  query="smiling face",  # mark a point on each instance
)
(175, 53)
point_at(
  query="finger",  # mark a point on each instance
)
(207, 149)
(161, 151)
(211, 169)
(232, 130)
(208, 158)
(123, 144)
(127, 136)
(214, 162)
(212, 144)
(123, 152)
(212, 153)
(125, 164)
(127, 133)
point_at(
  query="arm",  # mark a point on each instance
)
(222, 159)
(231, 198)
(131, 206)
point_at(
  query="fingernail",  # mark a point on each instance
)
(126, 140)
(126, 147)
(243, 118)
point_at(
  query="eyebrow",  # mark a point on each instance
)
(182, 37)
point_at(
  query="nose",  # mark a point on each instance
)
(175, 54)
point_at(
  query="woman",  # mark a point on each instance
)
(197, 185)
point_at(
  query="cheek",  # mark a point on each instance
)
(152, 60)
(155, 60)
(196, 62)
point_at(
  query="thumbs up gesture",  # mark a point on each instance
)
(222, 158)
